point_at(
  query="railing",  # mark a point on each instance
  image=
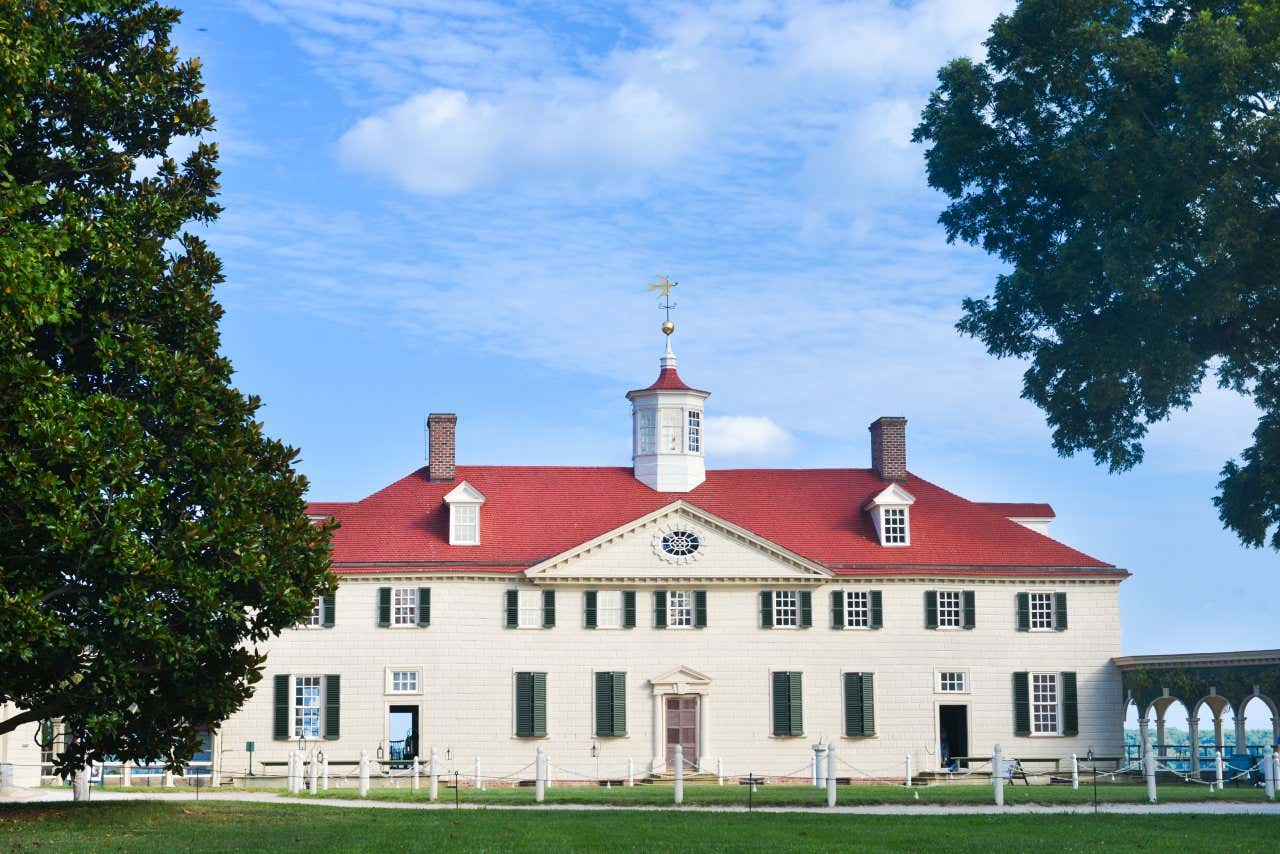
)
(1178, 756)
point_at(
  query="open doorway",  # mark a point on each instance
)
(402, 733)
(953, 736)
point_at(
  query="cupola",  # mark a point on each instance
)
(667, 429)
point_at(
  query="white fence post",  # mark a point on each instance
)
(364, 773)
(433, 778)
(1075, 772)
(831, 775)
(907, 782)
(314, 776)
(1268, 774)
(290, 773)
(168, 777)
(631, 771)
(416, 771)
(679, 789)
(1217, 769)
(1275, 766)
(817, 766)
(539, 782)
(126, 774)
(719, 770)
(997, 775)
(1150, 770)
(479, 782)
(324, 771)
(546, 758)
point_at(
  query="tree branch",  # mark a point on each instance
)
(31, 716)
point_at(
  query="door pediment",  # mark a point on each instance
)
(682, 680)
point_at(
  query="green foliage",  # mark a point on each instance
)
(1123, 158)
(150, 533)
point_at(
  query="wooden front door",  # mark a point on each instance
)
(682, 729)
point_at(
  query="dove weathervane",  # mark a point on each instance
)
(663, 286)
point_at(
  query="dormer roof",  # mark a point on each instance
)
(891, 496)
(464, 493)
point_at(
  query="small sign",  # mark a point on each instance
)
(248, 747)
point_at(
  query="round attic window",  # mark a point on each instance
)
(680, 543)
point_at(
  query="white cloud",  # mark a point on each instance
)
(746, 435)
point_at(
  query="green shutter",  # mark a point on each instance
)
(280, 728)
(1021, 704)
(970, 609)
(424, 606)
(589, 608)
(868, 704)
(837, 609)
(699, 609)
(604, 703)
(619, 704)
(332, 706)
(931, 609)
(806, 608)
(1060, 612)
(1070, 711)
(781, 703)
(548, 609)
(766, 609)
(797, 709)
(628, 609)
(877, 610)
(328, 609)
(531, 705)
(384, 606)
(1023, 601)
(659, 609)
(511, 607)
(859, 704)
(540, 704)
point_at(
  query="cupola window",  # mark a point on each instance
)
(646, 431)
(695, 431)
(671, 431)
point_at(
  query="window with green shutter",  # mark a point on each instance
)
(628, 609)
(859, 704)
(931, 609)
(280, 719)
(877, 610)
(531, 705)
(589, 609)
(970, 609)
(384, 606)
(699, 609)
(788, 712)
(1070, 710)
(330, 610)
(424, 606)
(659, 609)
(766, 609)
(837, 609)
(1021, 704)
(332, 706)
(1022, 602)
(511, 609)
(1059, 612)
(805, 599)
(548, 609)
(611, 703)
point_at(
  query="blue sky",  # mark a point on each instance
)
(455, 206)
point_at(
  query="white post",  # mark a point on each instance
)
(1275, 765)
(1217, 769)
(416, 771)
(1193, 730)
(324, 771)
(547, 759)
(168, 777)
(126, 774)
(813, 781)
(631, 771)
(289, 773)
(80, 784)
(819, 765)
(539, 783)
(1150, 769)
(479, 782)
(997, 775)
(831, 775)
(719, 770)
(1075, 772)
(313, 778)
(364, 773)
(907, 779)
(1268, 773)
(433, 780)
(679, 792)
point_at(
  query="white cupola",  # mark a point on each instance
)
(666, 421)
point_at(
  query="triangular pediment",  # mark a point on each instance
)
(680, 680)
(891, 496)
(464, 493)
(655, 548)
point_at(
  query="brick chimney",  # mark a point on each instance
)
(442, 429)
(889, 447)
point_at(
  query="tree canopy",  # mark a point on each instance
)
(1123, 160)
(151, 534)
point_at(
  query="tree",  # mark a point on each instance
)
(1123, 159)
(151, 535)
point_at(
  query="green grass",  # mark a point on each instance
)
(154, 825)
(661, 795)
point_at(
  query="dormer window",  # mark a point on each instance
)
(891, 513)
(464, 503)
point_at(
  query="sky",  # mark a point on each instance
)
(456, 205)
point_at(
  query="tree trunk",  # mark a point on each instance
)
(80, 785)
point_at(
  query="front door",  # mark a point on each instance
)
(953, 735)
(402, 733)
(682, 729)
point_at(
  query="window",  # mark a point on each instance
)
(646, 431)
(953, 682)
(679, 609)
(949, 613)
(531, 705)
(695, 431)
(530, 609)
(317, 613)
(895, 526)
(404, 606)
(786, 608)
(306, 707)
(680, 543)
(671, 430)
(403, 682)
(1044, 704)
(609, 609)
(1041, 611)
(466, 524)
(788, 709)
(857, 609)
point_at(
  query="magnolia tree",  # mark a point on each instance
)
(151, 534)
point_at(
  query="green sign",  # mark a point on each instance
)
(248, 746)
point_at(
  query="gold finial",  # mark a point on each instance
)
(668, 328)
(664, 286)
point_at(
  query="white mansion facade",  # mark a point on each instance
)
(608, 614)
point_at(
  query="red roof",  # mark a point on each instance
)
(532, 513)
(1021, 509)
(669, 380)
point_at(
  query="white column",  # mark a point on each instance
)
(704, 730)
(364, 773)
(631, 771)
(659, 755)
(539, 781)
(1075, 772)
(433, 779)
(679, 763)
(1144, 737)
(416, 771)
(831, 775)
(1217, 762)
(479, 782)
(819, 751)
(907, 781)
(1267, 773)
(1193, 727)
(1161, 750)
(997, 775)
(1218, 741)
(313, 778)
(719, 770)
(1149, 768)
(546, 757)
(1241, 741)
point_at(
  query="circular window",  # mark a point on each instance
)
(680, 543)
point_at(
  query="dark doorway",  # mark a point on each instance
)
(682, 729)
(402, 733)
(953, 735)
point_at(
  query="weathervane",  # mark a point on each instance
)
(664, 286)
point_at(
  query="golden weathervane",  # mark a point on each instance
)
(664, 286)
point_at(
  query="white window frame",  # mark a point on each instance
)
(790, 608)
(1050, 708)
(316, 620)
(680, 609)
(529, 616)
(647, 427)
(693, 421)
(1041, 618)
(609, 608)
(958, 609)
(404, 615)
(459, 535)
(390, 681)
(943, 685)
(895, 525)
(670, 431)
(857, 609)
(296, 708)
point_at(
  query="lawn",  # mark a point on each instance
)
(153, 825)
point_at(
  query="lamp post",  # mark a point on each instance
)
(1093, 765)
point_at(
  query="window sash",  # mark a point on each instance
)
(953, 682)
(404, 681)
(306, 707)
(609, 609)
(950, 608)
(786, 608)
(679, 609)
(530, 612)
(1045, 715)
(695, 432)
(466, 523)
(404, 606)
(1041, 605)
(671, 431)
(857, 609)
(647, 432)
(317, 613)
(894, 522)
